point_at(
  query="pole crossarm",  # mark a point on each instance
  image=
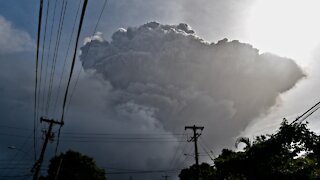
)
(36, 167)
(42, 119)
(195, 140)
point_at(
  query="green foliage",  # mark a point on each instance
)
(74, 166)
(291, 153)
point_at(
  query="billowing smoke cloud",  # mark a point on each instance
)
(13, 40)
(163, 77)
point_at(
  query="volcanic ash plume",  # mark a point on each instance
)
(166, 77)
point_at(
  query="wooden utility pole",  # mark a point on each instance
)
(49, 135)
(195, 140)
(166, 177)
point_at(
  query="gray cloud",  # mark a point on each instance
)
(16, 91)
(13, 40)
(163, 77)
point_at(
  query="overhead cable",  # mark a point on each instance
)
(36, 80)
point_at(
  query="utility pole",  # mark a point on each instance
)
(166, 177)
(49, 136)
(195, 140)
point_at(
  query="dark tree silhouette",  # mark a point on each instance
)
(244, 140)
(74, 166)
(207, 172)
(293, 152)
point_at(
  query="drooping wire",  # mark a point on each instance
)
(36, 81)
(310, 113)
(207, 147)
(65, 59)
(305, 115)
(179, 160)
(64, 12)
(173, 160)
(145, 172)
(72, 67)
(53, 58)
(40, 106)
(43, 47)
(207, 152)
(55, 55)
(76, 82)
(176, 157)
(78, 75)
(100, 134)
(48, 53)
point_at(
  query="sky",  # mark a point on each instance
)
(149, 68)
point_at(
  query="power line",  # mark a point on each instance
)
(76, 133)
(176, 157)
(108, 139)
(207, 147)
(174, 161)
(94, 31)
(74, 57)
(65, 59)
(111, 140)
(55, 54)
(308, 113)
(18, 128)
(186, 162)
(146, 171)
(206, 152)
(48, 52)
(129, 134)
(53, 65)
(185, 153)
(43, 47)
(41, 106)
(125, 138)
(14, 176)
(122, 141)
(72, 67)
(13, 135)
(36, 80)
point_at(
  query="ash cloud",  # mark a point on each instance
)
(163, 77)
(13, 40)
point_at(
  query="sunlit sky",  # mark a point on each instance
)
(287, 27)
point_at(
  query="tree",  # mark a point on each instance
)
(276, 156)
(293, 152)
(207, 172)
(74, 166)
